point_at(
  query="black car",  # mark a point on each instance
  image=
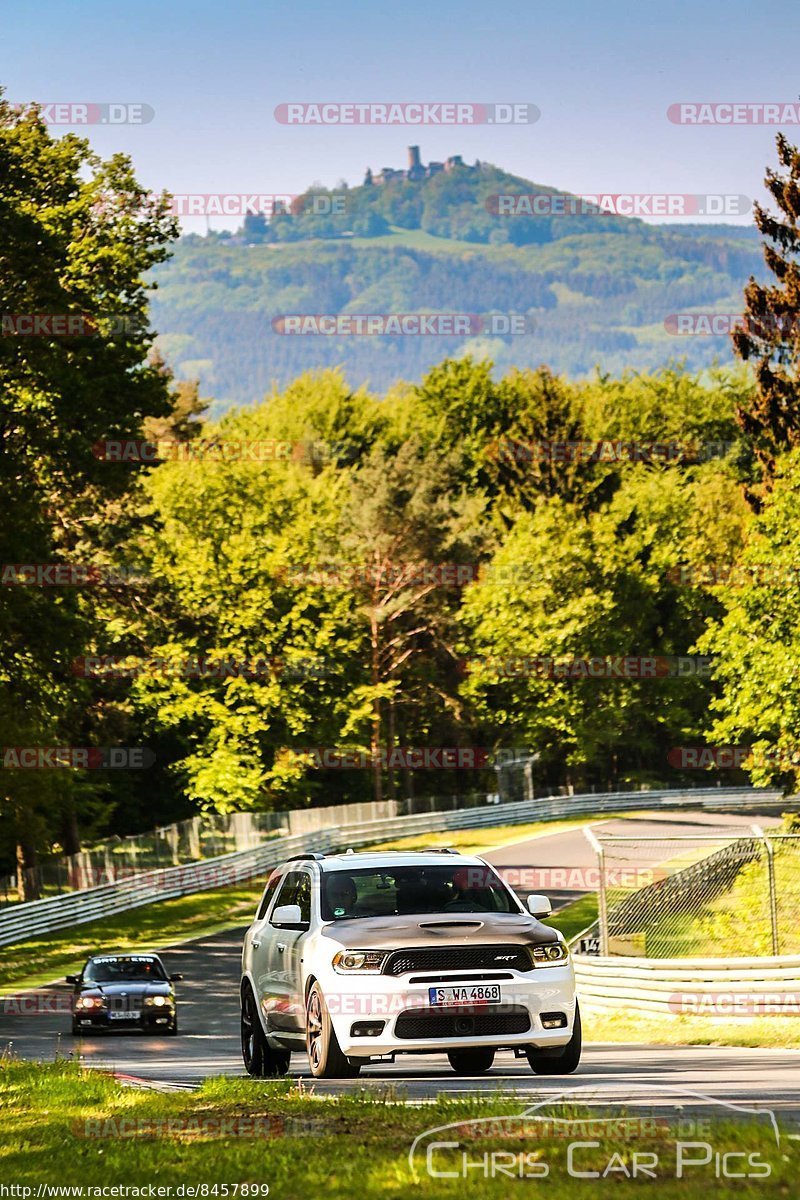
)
(124, 991)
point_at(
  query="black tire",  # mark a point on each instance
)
(563, 1060)
(260, 1060)
(324, 1053)
(173, 1028)
(476, 1061)
(75, 1030)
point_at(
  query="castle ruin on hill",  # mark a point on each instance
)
(417, 169)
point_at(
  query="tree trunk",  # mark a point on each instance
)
(70, 837)
(375, 744)
(27, 887)
(390, 736)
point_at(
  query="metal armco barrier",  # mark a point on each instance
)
(718, 987)
(21, 921)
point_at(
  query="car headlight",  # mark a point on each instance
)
(551, 955)
(365, 962)
(89, 1002)
(158, 1001)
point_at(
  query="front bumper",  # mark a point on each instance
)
(96, 1022)
(411, 1024)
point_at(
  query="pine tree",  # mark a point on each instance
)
(770, 334)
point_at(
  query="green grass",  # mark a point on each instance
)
(356, 1145)
(780, 1033)
(737, 922)
(40, 960)
(573, 918)
(418, 239)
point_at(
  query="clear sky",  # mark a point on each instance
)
(602, 74)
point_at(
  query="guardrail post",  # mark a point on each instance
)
(773, 898)
(602, 899)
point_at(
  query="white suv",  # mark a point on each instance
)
(359, 957)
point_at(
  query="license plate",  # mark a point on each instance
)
(470, 993)
(132, 1015)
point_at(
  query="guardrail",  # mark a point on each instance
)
(19, 922)
(719, 987)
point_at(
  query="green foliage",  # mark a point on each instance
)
(334, 552)
(597, 290)
(77, 237)
(756, 642)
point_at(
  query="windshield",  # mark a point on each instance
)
(387, 891)
(124, 970)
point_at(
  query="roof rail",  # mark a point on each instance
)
(439, 850)
(305, 857)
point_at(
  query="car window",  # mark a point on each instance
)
(380, 892)
(304, 897)
(269, 892)
(296, 889)
(119, 969)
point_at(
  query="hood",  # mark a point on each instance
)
(134, 987)
(428, 932)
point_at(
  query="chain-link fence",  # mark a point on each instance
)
(714, 894)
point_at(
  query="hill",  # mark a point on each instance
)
(597, 288)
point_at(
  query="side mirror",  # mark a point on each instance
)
(539, 906)
(175, 978)
(287, 914)
(72, 978)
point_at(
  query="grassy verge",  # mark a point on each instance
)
(780, 1033)
(573, 918)
(42, 959)
(718, 931)
(68, 1127)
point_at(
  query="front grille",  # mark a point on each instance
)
(413, 1025)
(464, 977)
(131, 1003)
(458, 958)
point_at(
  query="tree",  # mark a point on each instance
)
(254, 227)
(770, 335)
(756, 642)
(567, 587)
(236, 544)
(406, 528)
(77, 236)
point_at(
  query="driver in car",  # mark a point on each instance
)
(342, 895)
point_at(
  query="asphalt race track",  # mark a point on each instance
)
(208, 1043)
